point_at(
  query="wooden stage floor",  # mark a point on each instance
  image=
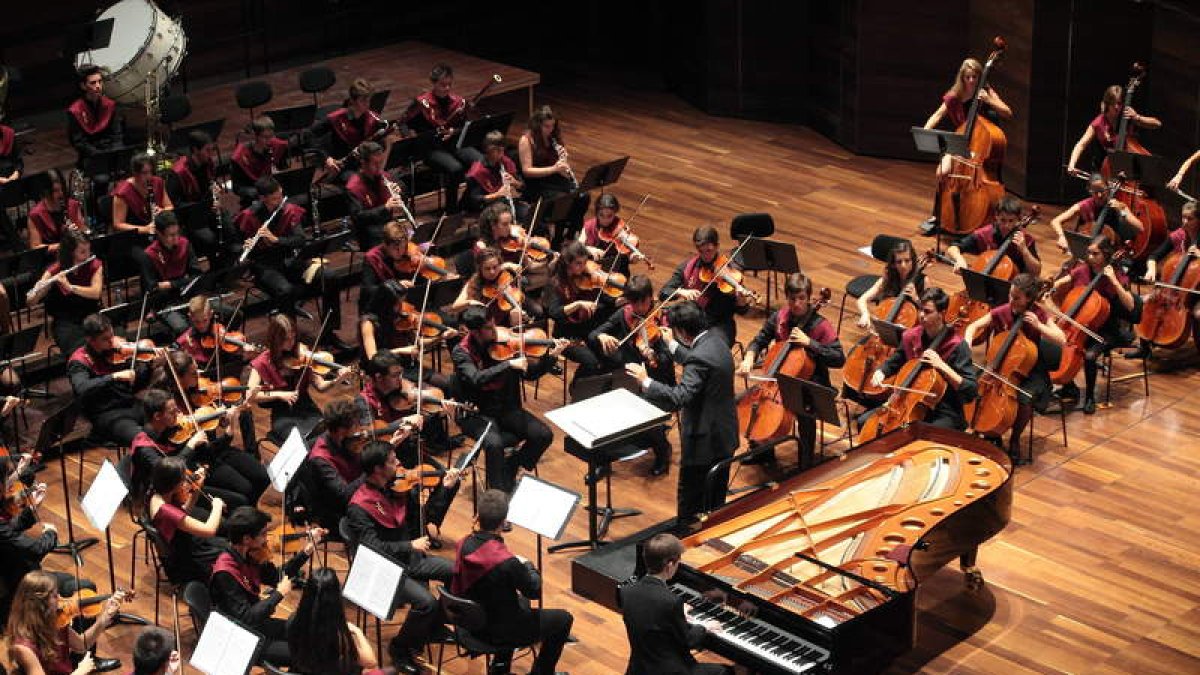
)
(1091, 576)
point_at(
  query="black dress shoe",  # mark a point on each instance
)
(301, 313)
(405, 664)
(1069, 392)
(1142, 352)
(105, 665)
(660, 468)
(765, 457)
(1089, 406)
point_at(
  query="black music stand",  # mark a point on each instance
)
(54, 429)
(603, 175)
(320, 247)
(1149, 170)
(1077, 244)
(557, 209)
(935, 142)
(889, 333)
(178, 140)
(444, 292)
(113, 161)
(296, 181)
(87, 37)
(290, 120)
(812, 404)
(984, 288)
(473, 131)
(774, 257)
(406, 152)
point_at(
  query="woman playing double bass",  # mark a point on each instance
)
(1035, 326)
(1102, 130)
(799, 323)
(951, 359)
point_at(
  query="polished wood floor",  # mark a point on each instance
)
(1098, 570)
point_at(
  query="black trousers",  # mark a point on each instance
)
(553, 630)
(691, 496)
(237, 477)
(424, 612)
(452, 164)
(118, 425)
(516, 424)
(68, 334)
(287, 288)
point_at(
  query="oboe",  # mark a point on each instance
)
(562, 157)
(507, 181)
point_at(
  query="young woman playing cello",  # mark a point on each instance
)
(901, 276)
(1022, 298)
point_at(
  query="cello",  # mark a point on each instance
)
(1009, 360)
(968, 191)
(1149, 211)
(761, 415)
(998, 265)
(1166, 314)
(1086, 312)
(917, 389)
(869, 352)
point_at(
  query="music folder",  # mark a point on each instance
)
(104, 496)
(542, 507)
(937, 142)
(809, 399)
(984, 288)
(609, 417)
(374, 582)
(226, 647)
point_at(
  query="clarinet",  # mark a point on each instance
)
(151, 202)
(562, 157)
(395, 193)
(506, 181)
(79, 191)
(314, 199)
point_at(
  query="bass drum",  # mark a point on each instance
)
(145, 41)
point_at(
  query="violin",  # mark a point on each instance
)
(625, 241)
(207, 392)
(19, 496)
(1010, 358)
(260, 555)
(1166, 315)
(124, 350)
(870, 352)
(510, 344)
(537, 248)
(86, 603)
(1147, 210)
(206, 419)
(1084, 308)
(321, 363)
(505, 291)
(728, 281)
(432, 400)
(970, 188)
(232, 342)
(997, 264)
(648, 333)
(761, 413)
(595, 278)
(426, 475)
(916, 390)
(416, 261)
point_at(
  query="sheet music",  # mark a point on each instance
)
(373, 582)
(225, 648)
(542, 507)
(287, 461)
(603, 418)
(104, 496)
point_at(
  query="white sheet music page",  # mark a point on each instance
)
(372, 582)
(287, 461)
(104, 496)
(225, 648)
(603, 415)
(541, 507)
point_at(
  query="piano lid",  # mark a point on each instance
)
(834, 542)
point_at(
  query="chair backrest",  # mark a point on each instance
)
(198, 601)
(317, 79)
(347, 536)
(174, 108)
(462, 612)
(760, 225)
(253, 94)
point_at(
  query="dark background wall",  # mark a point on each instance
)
(859, 71)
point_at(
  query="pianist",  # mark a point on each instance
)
(660, 636)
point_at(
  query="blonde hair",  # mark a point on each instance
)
(960, 86)
(31, 616)
(1112, 97)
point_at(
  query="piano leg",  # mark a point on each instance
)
(972, 576)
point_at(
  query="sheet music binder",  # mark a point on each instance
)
(937, 142)
(611, 416)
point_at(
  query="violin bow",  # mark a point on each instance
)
(312, 352)
(436, 229)
(421, 511)
(627, 222)
(528, 233)
(608, 272)
(138, 335)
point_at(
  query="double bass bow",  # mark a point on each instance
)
(969, 190)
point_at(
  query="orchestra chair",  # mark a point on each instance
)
(316, 80)
(1049, 356)
(157, 549)
(881, 247)
(757, 225)
(174, 109)
(253, 94)
(465, 618)
(1143, 375)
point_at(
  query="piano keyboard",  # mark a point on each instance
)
(764, 641)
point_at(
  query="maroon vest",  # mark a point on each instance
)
(245, 573)
(187, 179)
(137, 209)
(371, 192)
(384, 509)
(348, 131)
(274, 379)
(98, 366)
(347, 467)
(472, 567)
(489, 177)
(189, 342)
(171, 264)
(7, 135)
(913, 341)
(820, 331)
(381, 263)
(1081, 275)
(47, 221)
(284, 224)
(256, 165)
(167, 520)
(378, 409)
(434, 113)
(1003, 319)
(93, 124)
(956, 111)
(81, 276)
(691, 280)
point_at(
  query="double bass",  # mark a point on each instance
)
(968, 191)
(997, 265)
(1148, 210)
(761, 414)
(1166, 315)
(917, 389)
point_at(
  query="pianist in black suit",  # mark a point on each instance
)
(709, 425)
(660, 636)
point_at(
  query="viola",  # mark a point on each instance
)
(997, 264)
(648, 333)
(432, 400)
(510, 344)
(1086, 308)
(624, 240)
(595, 278)
(969, 190)
(761, 413)
(537, 248)
(124, 350)
(1166, 316)
(728, 281)
(86, 603)
(1147, 210)
(425, 475)
(917, 389)
(505, 291)
(870, 352)
(207, 392)
(433, 326)
(232, 342)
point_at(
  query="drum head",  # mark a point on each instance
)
(133, 23)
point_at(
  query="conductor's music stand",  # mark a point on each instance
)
(774, 257)
(54, 429)
(603, 175)
(812, 404)
(935, 142)
(984, 288)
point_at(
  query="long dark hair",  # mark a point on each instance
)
(571, 251)
(318, 638)
(892, 283)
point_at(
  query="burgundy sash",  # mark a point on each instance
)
(591, 231)
(470, 568)
(691, 280)
(267, 372)
(346, 130)
(97, 366)
(955, 110)
(347, 467)
(378, 409)
(93, 124)
(1003, 319)
(256, 165)
(433, 112)
(1081, 275)
(244, 573)
(48, 225)
(489, 177)
(913, 341)
(285, 223)
(379, 261)
(189, 342)
(818, 330)
(384, 509)
(167, 520)
(187, 179)
(170, 264)
(468, 345)
(6, 139)
(135, 203)
(370, 192)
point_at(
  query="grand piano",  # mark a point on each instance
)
(820, 573)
